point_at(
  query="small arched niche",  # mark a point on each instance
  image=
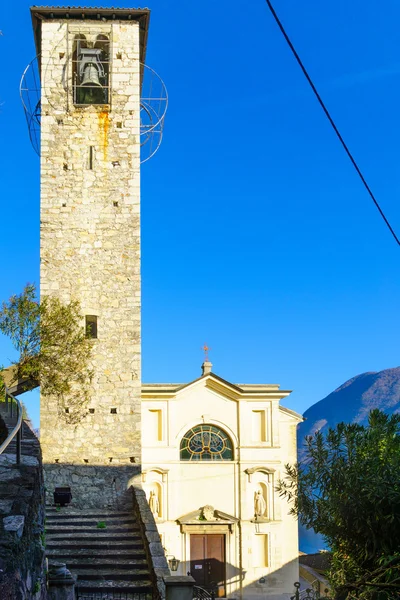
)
(261, 491)
(155, 489)
(155, 499)
(261, 498)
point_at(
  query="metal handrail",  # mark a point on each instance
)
(200, 593)
(311, 593)
(17, 431)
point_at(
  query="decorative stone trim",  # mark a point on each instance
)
(266, 470)
(163, 472)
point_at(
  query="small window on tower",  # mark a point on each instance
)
(91, 70)
(91, 326)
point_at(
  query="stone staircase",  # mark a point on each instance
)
(29, 442)
(22, 505)
(15, 487)
(108, 559)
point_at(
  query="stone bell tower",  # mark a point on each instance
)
(90, 75)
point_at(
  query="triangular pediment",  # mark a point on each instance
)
(216, 384)
(225, 389)
(207, 515)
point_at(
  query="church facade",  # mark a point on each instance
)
(212, 452)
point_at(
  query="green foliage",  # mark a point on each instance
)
(36, 587)
(348, 489)
(2, 386)
(53, 349)
(20, 321)
(101, 525)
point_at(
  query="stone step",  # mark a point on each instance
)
(25, 450)
(12, 421)
(110, 574)
(103, 563)
(93, 536)
(100, 553)
(109, 595)
(92, 513)
(26, 438)
(140, 586)
(90, 528)
(24, 442)
(66, 521)
(26, 433)
(110, 559)
(73, 524)
(94, 544)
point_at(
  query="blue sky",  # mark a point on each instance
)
(257, 236)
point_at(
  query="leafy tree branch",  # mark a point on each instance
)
(54, 352)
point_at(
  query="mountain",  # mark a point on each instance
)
(351, 403)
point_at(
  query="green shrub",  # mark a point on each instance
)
(101, 525)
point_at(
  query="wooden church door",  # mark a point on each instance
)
(207, 561)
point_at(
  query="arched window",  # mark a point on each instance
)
(90, 70)
(206, 442)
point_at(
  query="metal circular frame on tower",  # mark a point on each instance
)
(30, 92)
(153, 107)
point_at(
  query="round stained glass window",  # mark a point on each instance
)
(206, 442)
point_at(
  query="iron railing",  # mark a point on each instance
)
(200, 593)
(113, 595)
(310, 593)
(13, 404)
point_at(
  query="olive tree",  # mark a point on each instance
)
(53, 349)
(347, 488)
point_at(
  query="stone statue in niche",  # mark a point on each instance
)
(260, 506)
(154, 503)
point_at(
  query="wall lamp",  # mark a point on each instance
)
(173, 563)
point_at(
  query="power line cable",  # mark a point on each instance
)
(330, 119)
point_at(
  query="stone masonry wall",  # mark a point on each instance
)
(90, 251)
(22, 552)
(155, 552)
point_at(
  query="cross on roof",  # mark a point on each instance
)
(206, 350)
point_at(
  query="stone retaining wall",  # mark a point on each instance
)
(156, 559)
(22, 537)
